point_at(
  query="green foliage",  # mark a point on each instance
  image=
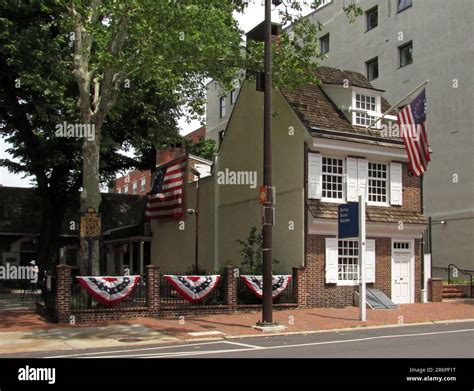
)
(203, 148)
(352, 11)
(251, 253)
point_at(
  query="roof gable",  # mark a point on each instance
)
(317, 111)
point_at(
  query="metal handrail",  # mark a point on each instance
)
(468, 272)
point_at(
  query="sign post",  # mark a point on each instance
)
(91, 229)
(351, 224)
(362, 244)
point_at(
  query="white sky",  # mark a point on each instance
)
(253, 15)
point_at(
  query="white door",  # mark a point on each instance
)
(401, 277)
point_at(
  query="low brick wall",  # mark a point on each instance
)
(155, 308)
(67, 316)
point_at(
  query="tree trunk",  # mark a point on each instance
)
(90, 198)
(49, 238)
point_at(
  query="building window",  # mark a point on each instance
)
(406, 54)
(125, 189)
(372, 69)
(378, 178)
(401, 245)
(222, 107)
(403, 5)
(364, 102)
(324, 44)
(372, 17)
(134, 187)
(119, 190)
(333, 173)
(233, 96)
(142, 184)
(348, 261)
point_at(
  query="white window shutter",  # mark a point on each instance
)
(369, 260)
(396, 195)
(351, 193)
(331, 260)
(315, 175)
(362, 174)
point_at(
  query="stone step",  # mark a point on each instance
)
(451, 289)
(452, 295)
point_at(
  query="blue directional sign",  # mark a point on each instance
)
(348, 220)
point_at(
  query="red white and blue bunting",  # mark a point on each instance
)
(109, 290)
(193, 288)
(255, 284)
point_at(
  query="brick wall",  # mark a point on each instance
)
(63, 301)
(152, 308)
(411, 191)
(63, 293)
(231, 287)
(319, 294)
(435, 289)
(134, 176)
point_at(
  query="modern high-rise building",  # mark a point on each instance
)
(398, 44)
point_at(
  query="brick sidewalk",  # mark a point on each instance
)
(296, 320)
(312, 319)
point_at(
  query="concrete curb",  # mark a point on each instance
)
(325, 331)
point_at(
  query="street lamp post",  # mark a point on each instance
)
(267, 310)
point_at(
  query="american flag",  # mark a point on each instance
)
(166, 196)
(412, 120)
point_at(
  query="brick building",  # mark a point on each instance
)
(139, 182)
(323, 155)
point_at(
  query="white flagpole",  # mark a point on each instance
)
(396, 104)
(362, 259)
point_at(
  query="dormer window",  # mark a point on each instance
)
(365, 106)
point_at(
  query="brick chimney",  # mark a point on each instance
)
(168, 154)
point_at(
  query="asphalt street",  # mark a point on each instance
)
(440, 340)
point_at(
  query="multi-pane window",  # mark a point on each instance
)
(119, 190)
(233, 96)
(405, 53)
(142, 184)
(125, 189)
(324, 44)
(372, 69)
(403, 4)
(332, 173)
(401, 245)
(364, 102)
(348, 260)
(134, 187)
(377, 183)
(222, 107)
(372, 17)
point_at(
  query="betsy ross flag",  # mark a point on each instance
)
(412, 120)
(166, 196)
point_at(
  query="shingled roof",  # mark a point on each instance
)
(318, 112)
(329, 75)
(20, 211)
(374, 214)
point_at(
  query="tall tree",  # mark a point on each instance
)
(38, 92)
